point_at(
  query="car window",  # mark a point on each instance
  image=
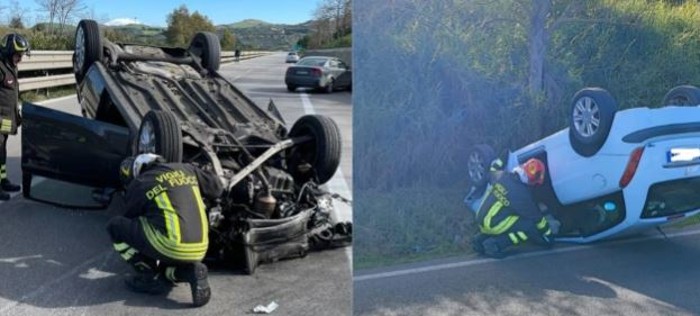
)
(590, 217)
(333, 64)
(312, 62)
(672, 197)
(342, 65)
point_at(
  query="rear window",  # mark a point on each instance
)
(672, 197)
(292, 54)
(312, 61)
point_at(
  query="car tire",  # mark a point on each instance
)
(26, 184)
(87, 49)
(479, 165)
(160, 133)
(686, 95)
(206, 46)
(591, 117)
(322, 152)
(291, 88)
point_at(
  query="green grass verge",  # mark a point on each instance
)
(408, 225)
(690, 221)
(46, 94)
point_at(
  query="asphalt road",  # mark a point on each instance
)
(57, 261)
(645, 275)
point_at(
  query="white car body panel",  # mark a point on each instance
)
(577, 178)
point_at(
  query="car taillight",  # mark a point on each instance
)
(316, 72)
(631, 168)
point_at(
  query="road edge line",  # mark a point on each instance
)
(539, 253)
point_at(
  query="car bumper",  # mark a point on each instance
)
(304, 82)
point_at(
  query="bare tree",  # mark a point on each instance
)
(91, 14)
(51, 9)
(68, 9)
(17, 15)
(332, 19)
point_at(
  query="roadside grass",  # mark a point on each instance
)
(45, 94)
(410, 224)
(690, 221)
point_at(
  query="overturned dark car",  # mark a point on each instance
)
(173, 102)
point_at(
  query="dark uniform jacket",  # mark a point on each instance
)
(507, 196)
(9, 97)
(168, 199)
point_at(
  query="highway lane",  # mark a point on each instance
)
(57, 261)
(645, 275)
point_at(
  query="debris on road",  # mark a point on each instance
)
(265, 309)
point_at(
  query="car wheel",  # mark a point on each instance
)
(479, 164)
(683, 95)
(291, 88)
(88, 48)
(321, 153)
(160, 133)
(590, 120)
(26, 184)
(329, 86)
(206, 46)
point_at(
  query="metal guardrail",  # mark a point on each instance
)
(51, 59)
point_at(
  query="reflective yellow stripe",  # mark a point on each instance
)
(120, 247)
(6, 125)
(493, 211)
(513, 238)
(202, 213)
(548, 232)
(171, 248)
(172, 221)
(129, 254)
(542, 223)
(522, 236)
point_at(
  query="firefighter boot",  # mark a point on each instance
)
(492, 249)
(147, 279)
(196, 275)
(8, 186)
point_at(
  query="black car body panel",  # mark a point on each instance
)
(72, 148)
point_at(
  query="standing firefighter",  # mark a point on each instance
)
(508, 214)
(13, 47)
(164, 232)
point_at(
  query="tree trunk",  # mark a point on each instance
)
(538, 37)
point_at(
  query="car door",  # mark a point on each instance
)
(344, 78)
(67, 147)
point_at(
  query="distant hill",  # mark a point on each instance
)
(250, 33)
(262, 35)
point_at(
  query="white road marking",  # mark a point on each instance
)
(68, 97)
(50, 285)
(336, 184)
(540, 253)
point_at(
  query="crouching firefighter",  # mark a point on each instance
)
(508, 214)
(163, 233)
